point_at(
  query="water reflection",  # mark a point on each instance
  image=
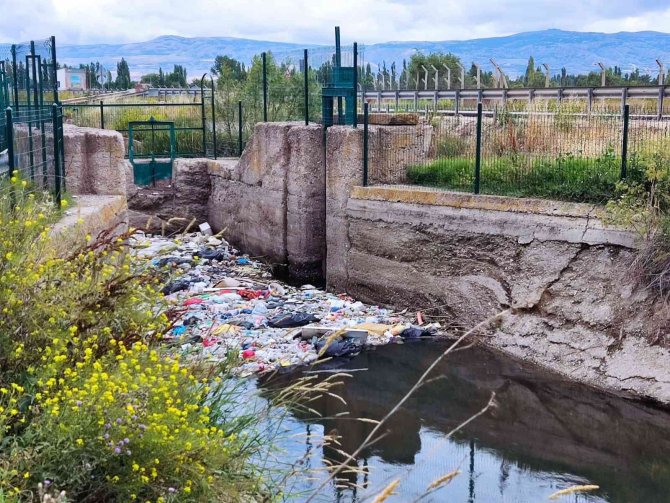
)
(544, 434)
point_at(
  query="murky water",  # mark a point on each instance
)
(544, 434)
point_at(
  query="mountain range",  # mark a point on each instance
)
(578, 52)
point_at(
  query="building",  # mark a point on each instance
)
(72, 79)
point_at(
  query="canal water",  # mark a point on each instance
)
(544, 434)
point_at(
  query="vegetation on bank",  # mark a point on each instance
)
(642, 203)
(89, 403)
(565, 178)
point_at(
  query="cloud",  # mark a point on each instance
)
(312, 21)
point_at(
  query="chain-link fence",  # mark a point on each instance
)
(557, 154)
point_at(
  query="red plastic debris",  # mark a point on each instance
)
(210, 341)
(250, 294)
(192, 301)
(248, 353)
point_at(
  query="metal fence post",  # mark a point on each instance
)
(211, 79)
(365, 144)
(624, 142)
(55, 69)
(306, 72)
(33, 65)
(102, 115)
(57, 138)
(9, 135)
(265, 87)
(203, 115)
(15, 80)
(239, 128)
(478, 151)
(355, 85)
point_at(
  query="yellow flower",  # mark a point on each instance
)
(80, 442)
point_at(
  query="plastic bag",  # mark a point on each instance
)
(292, 320)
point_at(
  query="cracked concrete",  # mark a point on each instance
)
(460, 259)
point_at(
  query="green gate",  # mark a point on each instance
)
(151, 150)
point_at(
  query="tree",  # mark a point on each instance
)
(229, 69)
(123, 75)
(438, 60)
(530, 72)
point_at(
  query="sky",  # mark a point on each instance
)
(312, 21)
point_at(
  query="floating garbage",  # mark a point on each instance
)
(223, 303)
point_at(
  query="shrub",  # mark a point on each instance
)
(451, 146)
(87, 400)
(643, 203)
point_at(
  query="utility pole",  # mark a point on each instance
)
(547, 75)
(661, 72)
(479, 75)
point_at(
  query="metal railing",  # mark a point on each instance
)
(653, 100)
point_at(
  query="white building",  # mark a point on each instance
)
(72, 79)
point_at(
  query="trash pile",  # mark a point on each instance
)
(223, 303)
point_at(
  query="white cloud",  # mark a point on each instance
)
(312, 21)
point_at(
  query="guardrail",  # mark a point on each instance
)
(378, 99)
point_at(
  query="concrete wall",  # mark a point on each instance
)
(94, 161)
(392, 149)
(172, 205)
(461, 258)
(272, 202)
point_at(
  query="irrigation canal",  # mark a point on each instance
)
(545, 433)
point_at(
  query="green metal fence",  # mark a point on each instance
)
(31, 122)
(554, 154)
(220, 119)
(276, 88)
(191, 131)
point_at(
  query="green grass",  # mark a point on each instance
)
(566, 178)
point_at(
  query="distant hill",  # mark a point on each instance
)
(577, 51)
